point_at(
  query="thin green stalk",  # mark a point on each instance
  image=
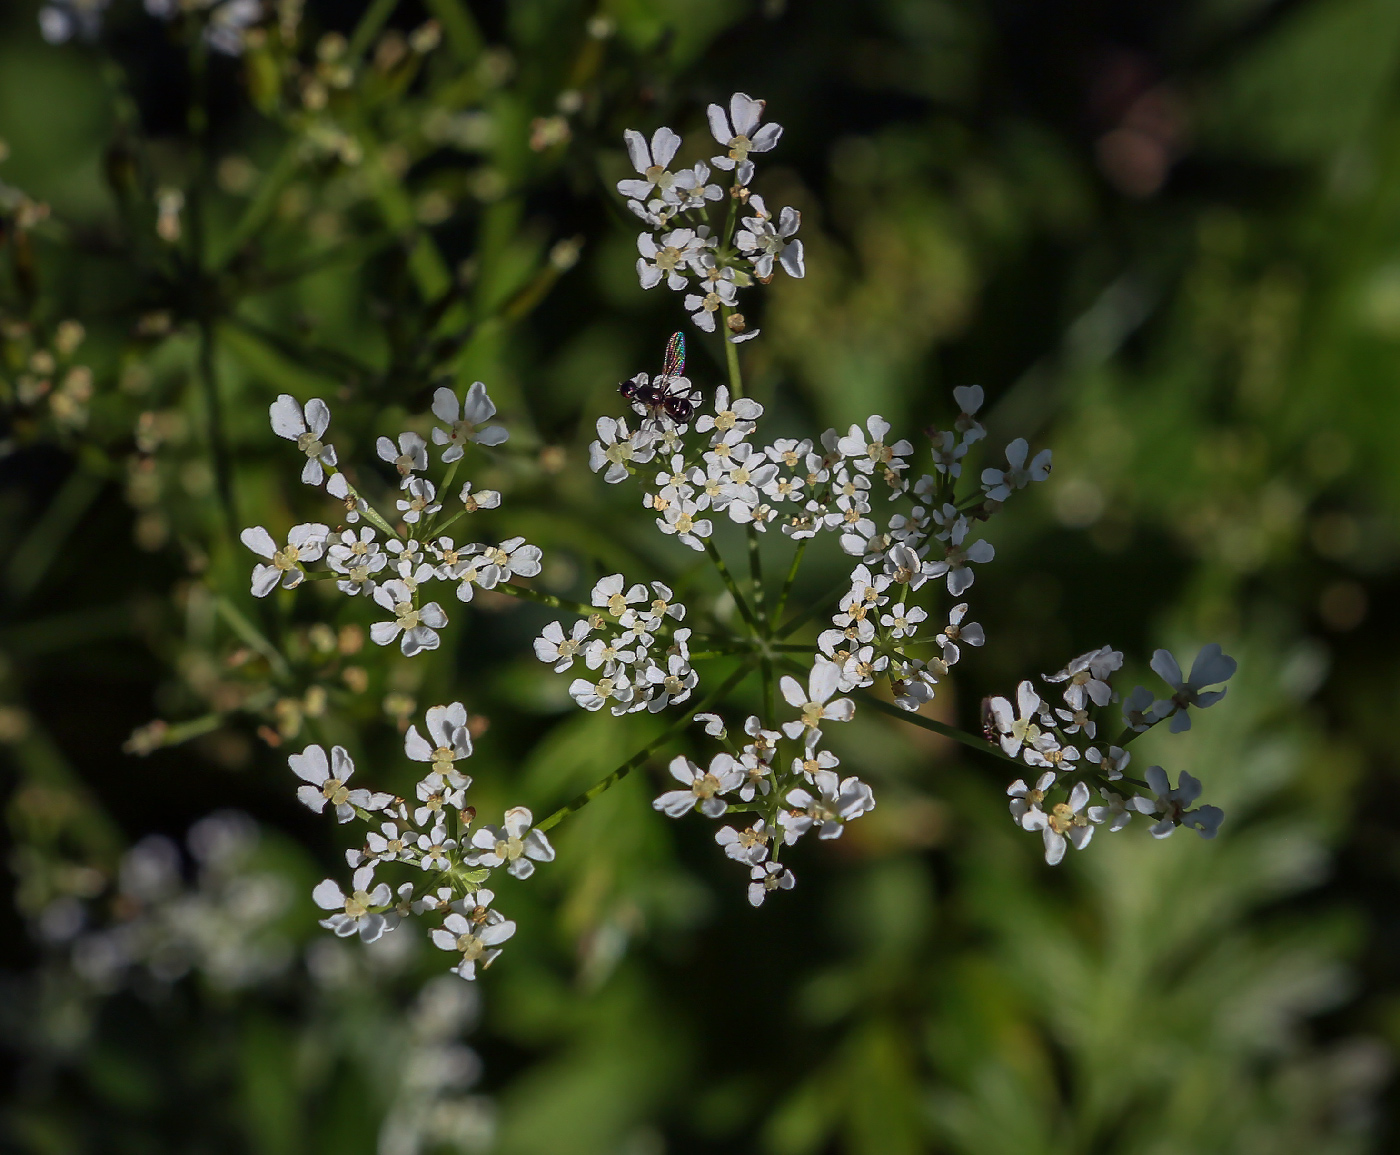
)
(545, 599)
(731, 353)
(731, 585)
(261, 207)
(813, 609)
(375, 17)
(756, 576)
(791, 577)
(252, 637)
(644, 753)
(972, 741)
(218, 445)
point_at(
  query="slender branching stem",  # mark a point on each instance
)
(645, 752)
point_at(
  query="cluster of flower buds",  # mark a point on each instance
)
(415, 550)
(429, 838)
(1063, 743)
(682, 246)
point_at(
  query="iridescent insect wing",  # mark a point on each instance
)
(674, 364)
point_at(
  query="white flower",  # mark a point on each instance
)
(1088, 677)
(465, 421)
(500, 563)
(690, 189)
(1026, 800)
(1172, 804)
(411, 453)
(814, 705)
(438, 794)
(436, 848)
(739, 132)
(512, 844)
(957, 559)
(305, 542)
(749, 846)
(947, 458)
(306, 427)
(421, 500)
(651, 162)
(448, 740)
(999, 484)
(670, 684)
(835, 802)
(326, 781)
(481, 499)
(355, 505)
(1140, 711)
(390, 842)
(869, 452)
(358, 558)
(1210, 668)
(1017, 731)
(1063, 823)
(353, 913)
(553, 646)
(701, 786)
(902, 622)
(969, 399)
(681, 521)
(763, 242)
(1111, 764)
(476, 935)
(617, 449)
(669, 256)
(419, 626)
(955, 632)
(1118, 813)
(814, 760)
(714, 725)
(703, 306)
(769, 877)
(595, 695)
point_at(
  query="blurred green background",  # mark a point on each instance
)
(1165, 238)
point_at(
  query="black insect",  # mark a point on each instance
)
(670, 394)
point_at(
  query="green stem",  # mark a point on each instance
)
(973, 741)
(218, 446)
(791, 577)
(731, 585)
(756, 577)
(731, 353)
(252, 636)
(370, 23)
(545, 599)
(644, 753)
(815, 608)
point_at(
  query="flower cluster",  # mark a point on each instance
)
(906, 520)
(682, 246)
(222, 922)
(415, 550)
(429, 838)
(629, 668)
(1063, 743)
(782, 778)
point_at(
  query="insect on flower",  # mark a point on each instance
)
(670, 394)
